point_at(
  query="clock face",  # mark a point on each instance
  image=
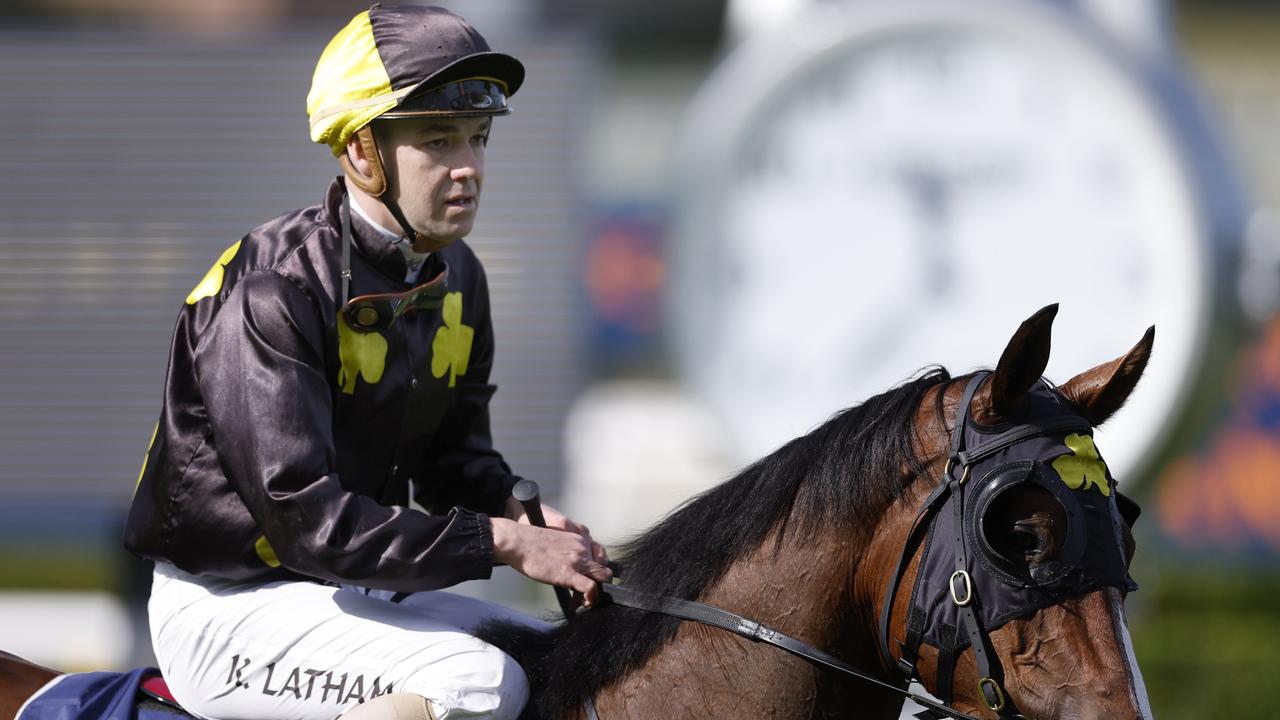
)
(908, 187)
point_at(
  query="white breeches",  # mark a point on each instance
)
(286, 650)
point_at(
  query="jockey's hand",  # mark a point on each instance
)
(558, 520)
(550, 555)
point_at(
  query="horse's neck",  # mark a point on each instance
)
(799, 587)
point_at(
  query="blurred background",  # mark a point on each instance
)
(708, 225)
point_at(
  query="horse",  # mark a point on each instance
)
(824, 540)
(962, 532)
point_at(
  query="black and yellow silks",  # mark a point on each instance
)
(284, 450)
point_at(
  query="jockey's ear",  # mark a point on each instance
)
(1021, 365)
(1100, 392)
(392, 706)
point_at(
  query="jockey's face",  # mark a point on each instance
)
(436, 170)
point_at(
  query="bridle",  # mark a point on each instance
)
(978, 452)
(959, 598)
(957, 472)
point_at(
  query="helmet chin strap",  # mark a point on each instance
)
(378, 182)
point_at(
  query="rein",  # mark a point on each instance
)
(526, 492)
(754, 631)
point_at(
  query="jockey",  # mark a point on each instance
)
(333, 365)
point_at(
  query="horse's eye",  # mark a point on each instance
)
(1025, 526)
(1025, 539)
(1031, 539)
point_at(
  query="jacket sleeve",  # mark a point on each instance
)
(461, 466)
(262, 373)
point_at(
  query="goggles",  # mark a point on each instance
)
(378, 311)
(474, 96)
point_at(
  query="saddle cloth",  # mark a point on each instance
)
(101, 696)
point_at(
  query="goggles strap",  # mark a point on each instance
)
(345, 212)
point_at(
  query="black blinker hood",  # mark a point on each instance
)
(964, 587)
(1092, 555)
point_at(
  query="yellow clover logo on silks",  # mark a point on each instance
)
(451, 348)
(359, 354)
(1083, 467)
(211, 283)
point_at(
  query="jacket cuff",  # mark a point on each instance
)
(480, 546)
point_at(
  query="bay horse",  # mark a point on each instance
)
(836, 540)
(819, 537)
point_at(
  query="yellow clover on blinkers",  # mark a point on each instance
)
(1083, 468)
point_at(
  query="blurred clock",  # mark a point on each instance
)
(877, 186)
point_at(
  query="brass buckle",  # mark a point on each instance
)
(983, 684)
(964, 477)
(968, 588)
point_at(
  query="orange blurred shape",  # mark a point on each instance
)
(1230, 496)
(204, 17)
(624, 276)
(1228, 499)
(1266, 358)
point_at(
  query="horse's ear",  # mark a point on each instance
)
(1021, 365)
(1100, 392)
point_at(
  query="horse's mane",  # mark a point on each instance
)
(847, 471)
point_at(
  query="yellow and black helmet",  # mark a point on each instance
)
(406, 61)
(403, 62)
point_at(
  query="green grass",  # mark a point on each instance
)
(55, 567)
(1209, 643)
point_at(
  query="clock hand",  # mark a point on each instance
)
(931, 191)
